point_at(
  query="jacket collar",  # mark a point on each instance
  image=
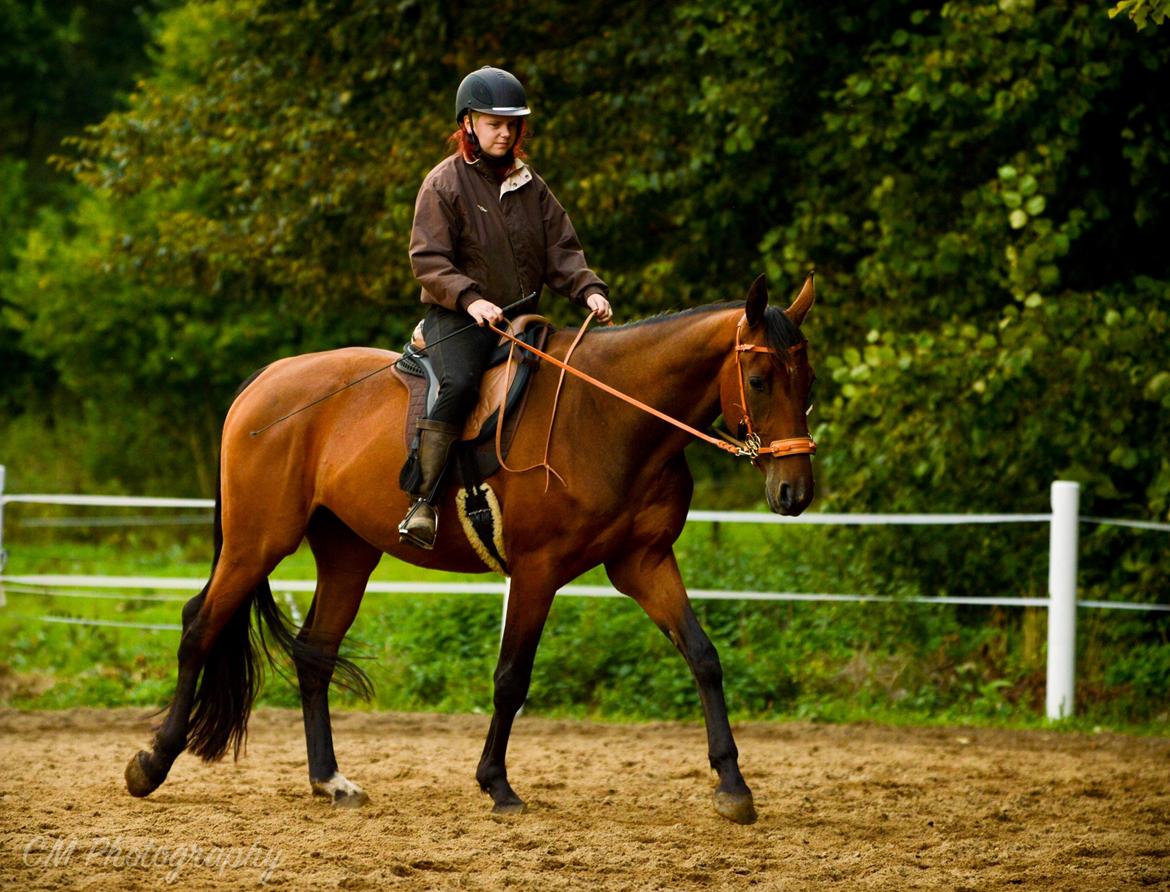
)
(520, 175)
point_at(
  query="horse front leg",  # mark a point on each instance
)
(651, 577)
(528, 605)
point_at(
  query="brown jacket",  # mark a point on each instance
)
(475, 237)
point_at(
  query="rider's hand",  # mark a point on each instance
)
(599, 305)
(484, 311)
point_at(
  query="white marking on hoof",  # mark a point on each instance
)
(340, 791)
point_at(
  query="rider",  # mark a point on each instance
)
(487, 232)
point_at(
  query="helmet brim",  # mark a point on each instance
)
(512, 111)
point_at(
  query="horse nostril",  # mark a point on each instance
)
(785, 496)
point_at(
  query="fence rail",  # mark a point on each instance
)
(1062, 604)
(64, 586)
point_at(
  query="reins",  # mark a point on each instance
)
(549, 470)
(750, 447)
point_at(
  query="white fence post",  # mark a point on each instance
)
(504, 623)
(1062, 600)
(3, 553)
(504, 611)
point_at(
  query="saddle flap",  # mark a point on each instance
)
(493, 390)
(498, 381)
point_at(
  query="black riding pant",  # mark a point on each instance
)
(459, 361)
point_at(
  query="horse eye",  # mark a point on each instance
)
(756, 383)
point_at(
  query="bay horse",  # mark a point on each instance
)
(329, 474)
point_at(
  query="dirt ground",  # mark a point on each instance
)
(610, 807)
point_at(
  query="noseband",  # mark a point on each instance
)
(751, 446)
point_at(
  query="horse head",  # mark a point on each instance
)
(767, 393)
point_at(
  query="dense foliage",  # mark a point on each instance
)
(982, 187)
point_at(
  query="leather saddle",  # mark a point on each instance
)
(503, 381)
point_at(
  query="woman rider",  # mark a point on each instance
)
(487, 232)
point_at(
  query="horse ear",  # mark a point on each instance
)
(757, 299)
(803, 302)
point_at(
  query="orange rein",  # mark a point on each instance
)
(751, 447)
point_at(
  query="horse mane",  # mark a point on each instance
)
(781, 332)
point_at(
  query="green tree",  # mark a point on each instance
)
(1142, 11)
(62, 66)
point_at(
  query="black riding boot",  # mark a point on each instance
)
(435, 439)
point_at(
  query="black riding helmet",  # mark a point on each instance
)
(491, 90)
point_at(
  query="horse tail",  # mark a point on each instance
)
(230, 679)
(232, 670)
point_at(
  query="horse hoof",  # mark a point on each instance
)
(138, 780)
(342, 799)
(509, 807)
(343, 793)
(737, 807)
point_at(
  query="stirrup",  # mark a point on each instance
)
(407, 536)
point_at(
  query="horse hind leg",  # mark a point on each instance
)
(344, 564)
(209, 712)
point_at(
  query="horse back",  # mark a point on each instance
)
(317, 407)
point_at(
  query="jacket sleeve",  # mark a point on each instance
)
(432, 251)
(566, 272)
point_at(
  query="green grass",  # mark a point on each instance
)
(601, 658)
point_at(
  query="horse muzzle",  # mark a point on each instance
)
(788, 484)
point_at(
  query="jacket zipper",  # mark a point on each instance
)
(511, 247)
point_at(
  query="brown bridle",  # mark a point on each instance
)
(750, 447)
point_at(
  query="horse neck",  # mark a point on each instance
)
(672, 364)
